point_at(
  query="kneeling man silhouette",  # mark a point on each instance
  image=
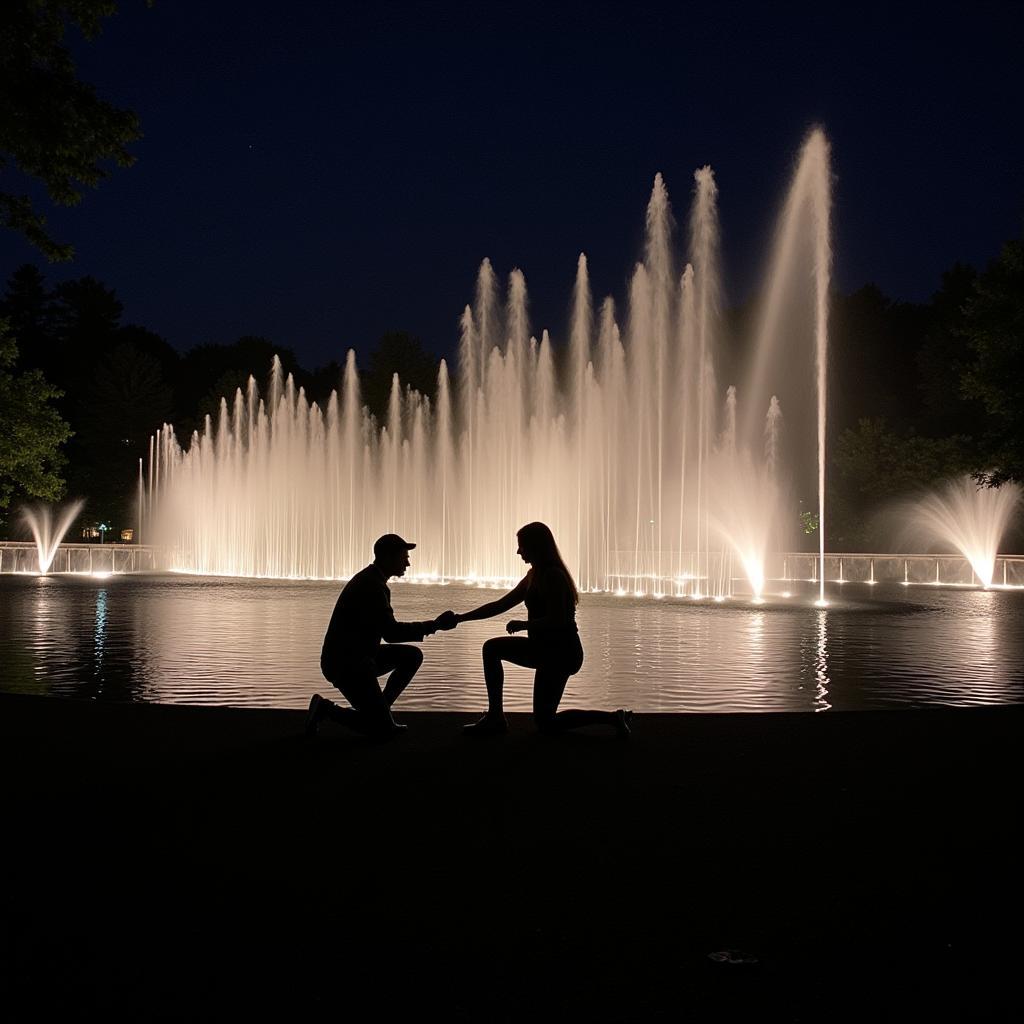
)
(353, 655)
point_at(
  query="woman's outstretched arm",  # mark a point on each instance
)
(503, 604)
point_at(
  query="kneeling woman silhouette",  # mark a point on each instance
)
(552, 645)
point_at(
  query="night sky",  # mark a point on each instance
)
(318, 176)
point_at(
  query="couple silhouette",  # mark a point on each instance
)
(365, 641)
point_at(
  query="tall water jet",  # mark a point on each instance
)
(48, 531)
(772, 430)
(704, 260)
(817, 153)
(802, 250)
(971, 519)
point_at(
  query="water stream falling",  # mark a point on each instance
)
(655, 478)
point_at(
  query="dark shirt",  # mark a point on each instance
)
(362, 617)
(551, 610)
(551, 619)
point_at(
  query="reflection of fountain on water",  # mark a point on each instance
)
(822, 681)
(46, 532)
(653, 478)
(971, 519)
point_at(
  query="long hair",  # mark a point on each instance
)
(540, 542)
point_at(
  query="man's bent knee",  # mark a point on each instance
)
(409, 658)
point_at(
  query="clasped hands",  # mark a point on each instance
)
(446, 620)
(449, 620)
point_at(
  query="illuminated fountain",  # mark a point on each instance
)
(48, 532)
(971, 519)
(655, 478)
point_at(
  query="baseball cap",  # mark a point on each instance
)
(390, 542)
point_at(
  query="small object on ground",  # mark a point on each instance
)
(732, 956)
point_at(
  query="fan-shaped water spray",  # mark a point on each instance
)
(653, 479)
(971, 519)
(48, 528)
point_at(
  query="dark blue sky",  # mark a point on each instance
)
(320, 176)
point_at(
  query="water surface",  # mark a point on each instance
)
(256, 643)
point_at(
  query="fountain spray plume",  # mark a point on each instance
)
(746, 496)
(626, 454)
(47, 531)
(971, 519)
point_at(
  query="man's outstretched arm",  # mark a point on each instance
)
(395, 632)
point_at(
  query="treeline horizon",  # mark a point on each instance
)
(917, 391)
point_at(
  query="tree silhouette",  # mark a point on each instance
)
(402, 353)
(994, 327)
(126, 400)
(32, 432)
(54, 129)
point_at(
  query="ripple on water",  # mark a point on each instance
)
(256, 643)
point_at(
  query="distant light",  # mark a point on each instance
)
(698, 596)
(101, 575)
(620, 592)
(820, 603)
(787, 593)
(719, 599)
(756, 600)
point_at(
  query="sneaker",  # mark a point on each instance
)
(316, 703)
(487, 725)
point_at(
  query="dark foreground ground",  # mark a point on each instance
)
(179, 863)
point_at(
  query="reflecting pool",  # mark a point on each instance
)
(256, 643)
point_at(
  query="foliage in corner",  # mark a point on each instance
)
(33, 431)
(54, 129)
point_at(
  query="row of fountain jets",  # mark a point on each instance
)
(654, 478)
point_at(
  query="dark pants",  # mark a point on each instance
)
(554, 664)
(357, 681)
